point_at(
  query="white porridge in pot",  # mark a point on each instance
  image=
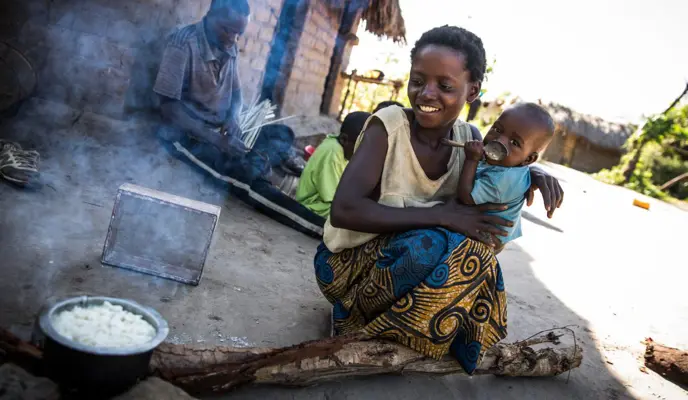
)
(104, 325)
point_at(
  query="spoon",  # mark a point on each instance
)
(494, 150)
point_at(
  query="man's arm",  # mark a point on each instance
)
(173, 111)
(235, 104)
(169, 84)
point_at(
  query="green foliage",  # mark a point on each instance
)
(672, 126)
(661, 151)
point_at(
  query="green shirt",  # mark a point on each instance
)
(321, 176)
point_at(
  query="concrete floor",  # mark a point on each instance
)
(600, 265)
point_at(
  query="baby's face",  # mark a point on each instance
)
(520, 134)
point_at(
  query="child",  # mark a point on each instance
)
(525, 129)
(325, 167)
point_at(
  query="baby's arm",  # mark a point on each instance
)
(474, 153)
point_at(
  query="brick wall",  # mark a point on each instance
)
(254, 45)
(102, 55)
(312, 61)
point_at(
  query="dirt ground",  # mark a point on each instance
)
(613, 272)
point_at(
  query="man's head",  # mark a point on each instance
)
(385, 104)
(447, 69)
(226, 21)
(351, 128)
(525, 129)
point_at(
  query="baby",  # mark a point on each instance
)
(525, 129)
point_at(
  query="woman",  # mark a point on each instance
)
(414, 277)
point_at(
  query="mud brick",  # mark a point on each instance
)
(262, 14)
(124, 32)
(266, 34)
(106, 51)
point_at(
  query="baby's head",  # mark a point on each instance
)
(525, 129)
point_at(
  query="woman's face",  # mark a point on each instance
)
(439, 86)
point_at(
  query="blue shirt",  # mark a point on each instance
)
(503, 185)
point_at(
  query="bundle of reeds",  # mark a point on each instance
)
(255, 116)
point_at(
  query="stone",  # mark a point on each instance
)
(154, 388)
(16, 383)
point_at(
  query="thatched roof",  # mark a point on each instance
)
(383, 19)
(598, 131)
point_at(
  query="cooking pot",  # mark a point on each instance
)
(88, 369)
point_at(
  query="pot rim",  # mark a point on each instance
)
(150, 315)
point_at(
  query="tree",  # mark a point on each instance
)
(655, 130)
(657, 161)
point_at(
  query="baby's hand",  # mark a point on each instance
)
(474, 150)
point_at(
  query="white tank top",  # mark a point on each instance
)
(403, 182)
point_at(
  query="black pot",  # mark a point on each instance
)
(92, 371)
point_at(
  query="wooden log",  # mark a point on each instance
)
(669, 362)
(201, 370)
(218, 369)
(15, 350)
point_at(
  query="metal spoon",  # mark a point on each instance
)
(494, 150)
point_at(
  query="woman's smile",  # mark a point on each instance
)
(428, 109)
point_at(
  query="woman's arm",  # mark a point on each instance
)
(355, 208)
(552, 193)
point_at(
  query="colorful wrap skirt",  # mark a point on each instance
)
(432, 290)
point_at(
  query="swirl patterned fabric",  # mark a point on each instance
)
(432, 290)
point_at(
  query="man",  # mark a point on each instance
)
(321, 176)
(198, 83)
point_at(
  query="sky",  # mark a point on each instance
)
(620, 60)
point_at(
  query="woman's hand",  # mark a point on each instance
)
(472, 220)
(552, 193)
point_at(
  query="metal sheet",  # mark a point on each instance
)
(160, 234)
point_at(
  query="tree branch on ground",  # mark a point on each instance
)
(201, 370)
(669, 362)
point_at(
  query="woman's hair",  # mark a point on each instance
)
(461, 40)
(239, 6)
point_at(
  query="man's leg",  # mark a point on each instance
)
(210, 155)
